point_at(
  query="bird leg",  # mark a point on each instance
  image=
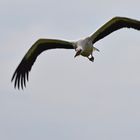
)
(91, 58)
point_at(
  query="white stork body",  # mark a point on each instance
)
(86, 46)
(82, 47)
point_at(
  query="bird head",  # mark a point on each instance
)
(78, 51)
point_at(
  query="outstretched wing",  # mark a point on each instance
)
(113, 25)
(21, 73)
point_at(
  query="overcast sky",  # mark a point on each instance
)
(67, 98)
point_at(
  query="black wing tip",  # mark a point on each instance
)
(20, 79)
(21, 75)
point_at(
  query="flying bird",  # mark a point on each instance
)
(83, 47)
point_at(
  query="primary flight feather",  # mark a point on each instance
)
(82, 47)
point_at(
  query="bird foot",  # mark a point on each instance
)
(91, 58)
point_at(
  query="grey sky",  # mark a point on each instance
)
(67, 98)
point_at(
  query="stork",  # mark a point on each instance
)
(83, 47)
